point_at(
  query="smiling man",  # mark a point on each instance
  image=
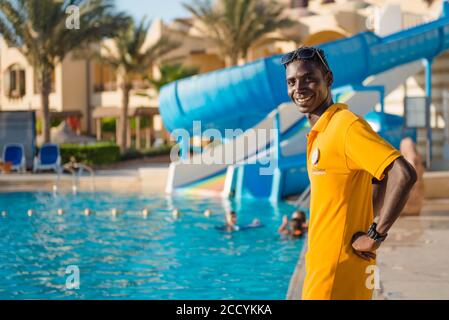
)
(354, 175)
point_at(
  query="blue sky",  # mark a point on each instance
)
(165, 9)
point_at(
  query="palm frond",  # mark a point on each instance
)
(235, 25)
(130, 54)
(170, 73)
(38, 28)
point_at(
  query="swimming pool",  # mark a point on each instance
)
(132, 257)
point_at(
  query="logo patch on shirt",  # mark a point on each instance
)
(316, 156)
(318, 172)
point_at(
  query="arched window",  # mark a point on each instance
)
(15, 82)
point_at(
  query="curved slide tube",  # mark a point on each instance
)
(242, 96)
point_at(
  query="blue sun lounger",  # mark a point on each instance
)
(49, 158)
(15, 154)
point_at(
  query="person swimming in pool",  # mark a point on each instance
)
(296, 227)
(231, 223)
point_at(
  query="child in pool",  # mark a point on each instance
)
(296, 227)
(231, 222)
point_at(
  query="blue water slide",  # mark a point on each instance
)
(240, 97)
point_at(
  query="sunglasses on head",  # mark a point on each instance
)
(305, 53)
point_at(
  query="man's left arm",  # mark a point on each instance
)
(399, 180)
(366, 150)
(390, 197)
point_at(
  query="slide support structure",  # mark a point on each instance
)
(277, 173)
(428, 71)
(378, 89)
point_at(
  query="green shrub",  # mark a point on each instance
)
(131, 154)
(55, 122)
(108, 125)
(159, 151)
(136, 154)
(97, 154)
(38, 126)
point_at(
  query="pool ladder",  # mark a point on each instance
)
(76, 169)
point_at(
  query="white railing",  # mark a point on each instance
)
(76, 171)
(446, 115)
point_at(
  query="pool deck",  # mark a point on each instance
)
(148, 179)
(413, 261)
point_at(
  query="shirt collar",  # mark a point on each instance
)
(325, 118)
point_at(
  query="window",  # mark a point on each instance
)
(15, 82)
(105, 78)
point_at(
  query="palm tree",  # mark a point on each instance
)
(170, 73)
(235, 25)
(130, 57)
(39, 30)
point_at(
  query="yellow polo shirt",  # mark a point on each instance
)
(343, 155)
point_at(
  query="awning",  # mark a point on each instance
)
(61, 114)
(114, 112)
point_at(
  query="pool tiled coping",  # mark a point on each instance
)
(146, 180)
(154, 178)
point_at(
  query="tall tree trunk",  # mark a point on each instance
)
(231, 57)
(45, 103)
(126, 88)
(88, 102)
(233, 60)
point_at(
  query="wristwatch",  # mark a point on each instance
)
(376, 236)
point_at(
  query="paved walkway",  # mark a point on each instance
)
(414, 262)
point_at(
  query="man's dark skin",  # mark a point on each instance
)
(309, 87)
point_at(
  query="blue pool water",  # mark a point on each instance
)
(130, 257)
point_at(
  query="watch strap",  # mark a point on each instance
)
(376, 236)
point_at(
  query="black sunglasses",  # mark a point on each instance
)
(305, 53)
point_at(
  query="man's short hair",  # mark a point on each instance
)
(319, 58)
